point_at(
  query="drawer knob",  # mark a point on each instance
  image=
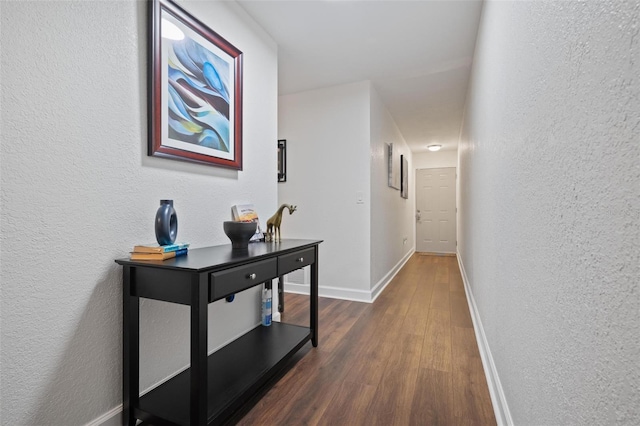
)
(251, 276)
(300, 259)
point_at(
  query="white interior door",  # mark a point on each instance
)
(436, 210)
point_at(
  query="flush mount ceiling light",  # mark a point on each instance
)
(434, 147)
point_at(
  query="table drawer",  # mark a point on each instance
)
(293, 261)
(240, 278)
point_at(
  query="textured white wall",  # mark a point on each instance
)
(78, 191)
(550, 202)
(327, 133)
(392, 217)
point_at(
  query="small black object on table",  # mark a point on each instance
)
(215, 386)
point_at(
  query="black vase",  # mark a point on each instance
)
(166, 223)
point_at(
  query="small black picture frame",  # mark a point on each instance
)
(282, 160)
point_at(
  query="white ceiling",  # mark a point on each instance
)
(416, 53)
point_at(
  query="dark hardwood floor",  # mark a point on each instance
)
(410, 358)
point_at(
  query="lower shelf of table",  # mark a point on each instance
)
(235, 373)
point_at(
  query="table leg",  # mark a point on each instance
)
(198, 370)
(314, 301)
(280, 294)
(130, 348)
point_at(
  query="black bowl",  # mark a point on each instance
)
(239, 233)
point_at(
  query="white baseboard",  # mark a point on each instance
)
(498, 399)
(350, 293)
(110, 418)
(382, 284)
(330, 292)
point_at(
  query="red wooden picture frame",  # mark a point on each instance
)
(194, 90)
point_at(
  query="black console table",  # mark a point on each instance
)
(215, 386)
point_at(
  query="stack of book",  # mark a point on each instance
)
(158, 252)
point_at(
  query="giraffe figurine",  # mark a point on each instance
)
(273, 224)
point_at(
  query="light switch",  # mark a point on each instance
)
(359, 197)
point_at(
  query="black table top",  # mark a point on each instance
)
(223, 256)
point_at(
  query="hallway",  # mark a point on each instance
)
(409, 358)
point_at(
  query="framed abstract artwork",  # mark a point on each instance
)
(195, 90)
(404, 173)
